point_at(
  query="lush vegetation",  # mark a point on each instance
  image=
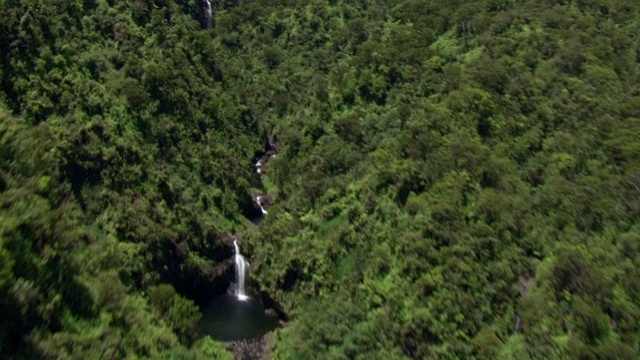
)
(454, 179)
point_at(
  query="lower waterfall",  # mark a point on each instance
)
(241, 269)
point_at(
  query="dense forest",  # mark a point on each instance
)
(455, 179)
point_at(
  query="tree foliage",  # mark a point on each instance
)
(454, 179)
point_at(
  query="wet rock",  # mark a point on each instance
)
(266, 200)
(253, 349)
(220, 269)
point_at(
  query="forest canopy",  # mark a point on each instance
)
(453, 180)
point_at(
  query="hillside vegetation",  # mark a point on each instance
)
(454, 179)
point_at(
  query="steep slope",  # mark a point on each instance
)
(124, 164)
(454, 179)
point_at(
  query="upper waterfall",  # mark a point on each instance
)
(207, 13)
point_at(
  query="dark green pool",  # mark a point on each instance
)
(228, 319)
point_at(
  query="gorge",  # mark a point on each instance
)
(236, 317)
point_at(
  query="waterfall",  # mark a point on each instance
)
(241, 270)
(259, 202)
(207, 12)
(259, 166)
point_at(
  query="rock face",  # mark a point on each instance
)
(254, 349)
(219, 270)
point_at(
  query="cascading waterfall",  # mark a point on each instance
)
(234, 316)
(207, 12)
(259, 202)
(258, 166)
(241, 269)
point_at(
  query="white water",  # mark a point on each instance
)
(207, 10)
(259, 166)
(241, 270)
(259, 202)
